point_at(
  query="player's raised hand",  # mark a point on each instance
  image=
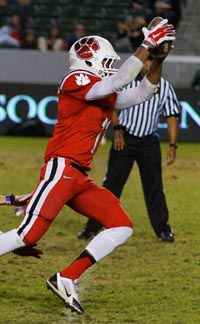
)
(160, 33)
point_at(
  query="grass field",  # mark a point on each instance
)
(142, 282)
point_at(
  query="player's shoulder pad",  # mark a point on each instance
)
(79, 78)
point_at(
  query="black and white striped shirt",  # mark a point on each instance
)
(142, 119)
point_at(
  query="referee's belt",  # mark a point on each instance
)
(141, 137)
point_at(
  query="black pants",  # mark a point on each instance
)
(146, 152)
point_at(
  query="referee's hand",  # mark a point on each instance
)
(118, 141)
(171, 156)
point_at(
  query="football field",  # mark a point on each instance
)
(142, 282)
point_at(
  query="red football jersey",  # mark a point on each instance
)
(81, 124)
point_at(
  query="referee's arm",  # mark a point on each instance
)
(172, 135)
(172, 130)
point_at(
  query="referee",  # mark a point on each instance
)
(135, 139)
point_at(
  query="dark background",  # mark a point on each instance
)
(189, 121)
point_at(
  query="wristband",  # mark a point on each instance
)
(147, 47)
(118, 127)
(10, 199)
(175, 146)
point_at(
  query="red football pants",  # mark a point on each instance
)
(60, 184)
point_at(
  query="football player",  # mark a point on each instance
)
(87, 96)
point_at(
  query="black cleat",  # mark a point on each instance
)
(167, 237)
(86, 235)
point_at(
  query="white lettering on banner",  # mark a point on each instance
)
(186, 111)
(2, 110)
(12, 105)
(42, 110)
(11, 108)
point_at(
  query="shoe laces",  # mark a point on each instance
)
(73, 287)
(75, 284)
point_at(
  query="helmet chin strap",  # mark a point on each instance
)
(101, 74)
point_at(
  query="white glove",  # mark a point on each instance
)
(23, 199)
(159, 34)
(19, 210)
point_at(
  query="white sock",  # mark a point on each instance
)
(105, 242)
(10, 241)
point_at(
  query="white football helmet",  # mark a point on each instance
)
(95, 54)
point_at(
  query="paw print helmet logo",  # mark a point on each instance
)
(95, 54)
(86, 47)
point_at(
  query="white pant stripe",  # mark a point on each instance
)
(41, 195)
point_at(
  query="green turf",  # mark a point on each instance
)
(142, 282)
